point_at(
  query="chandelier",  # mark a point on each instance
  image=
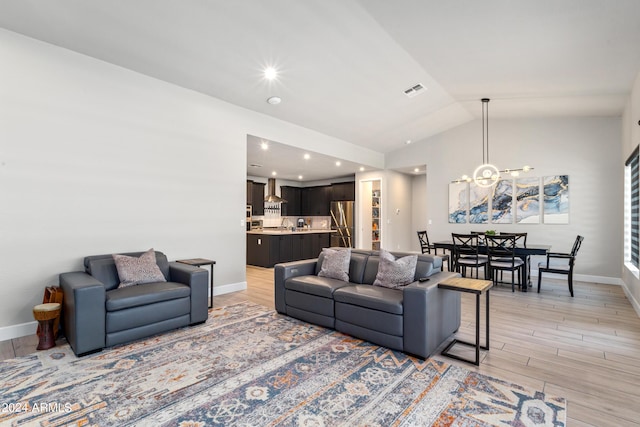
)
(487, 175)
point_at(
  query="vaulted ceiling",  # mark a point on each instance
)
(343, 65)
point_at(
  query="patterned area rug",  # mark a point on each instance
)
(249, 366)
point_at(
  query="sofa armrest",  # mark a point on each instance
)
(286, 270)
(431, 314)
(197, 279)
(84, 312)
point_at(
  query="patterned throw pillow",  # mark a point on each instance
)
(336, 264)
(394, 273)
(137, 270)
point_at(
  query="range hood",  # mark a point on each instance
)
(271, 193)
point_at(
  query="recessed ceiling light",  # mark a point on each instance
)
(274, 100)
(264, 145)
(270, 73)
(274, 173)
(338, 163)
(416, 170)
(307, 156)
(299, 176)
(361, 168)
(408, 141)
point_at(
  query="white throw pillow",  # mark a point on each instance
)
(394, 273)
(336, 264)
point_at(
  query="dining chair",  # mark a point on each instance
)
(466, 254)
(563, 266)
(426, 247)
(502, 257)
(521, 240)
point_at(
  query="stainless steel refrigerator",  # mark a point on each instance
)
(342, 224)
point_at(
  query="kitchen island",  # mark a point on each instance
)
(268, 247)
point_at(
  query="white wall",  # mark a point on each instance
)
(630, 140)
(97, 159)
(587, 149)
(418, 209)
(396, 213)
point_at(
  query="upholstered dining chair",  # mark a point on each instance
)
(502, 257)
(562, 263)
(466, 254)
(426, 247)
(521, 240)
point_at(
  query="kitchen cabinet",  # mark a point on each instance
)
(343, 191)
(316, 201)
(293, 196)
(257, 198)
(267, 250)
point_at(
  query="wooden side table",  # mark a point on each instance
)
(477, 287)
(199, 262)
(45, 314)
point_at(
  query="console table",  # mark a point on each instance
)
(477, 287)
(199, 262)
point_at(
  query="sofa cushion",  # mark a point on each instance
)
(394, 273)
(147, 293)
(335, 263)
(137, 270)
(315, 285)
(374, 297)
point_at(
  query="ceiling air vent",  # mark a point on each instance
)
(414, 90)
(255, 165)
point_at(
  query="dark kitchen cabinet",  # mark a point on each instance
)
(316, 201)
(257, 198)
(285, 248)
(343, 191)
(267, 250)
(319, 241)
(293, 196)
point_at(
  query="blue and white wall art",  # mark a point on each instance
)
(556, 199)
(458, 202)
(502, 202)
(479, 204)
(528, 201)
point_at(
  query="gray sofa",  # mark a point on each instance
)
(415, 319)
(98, 314)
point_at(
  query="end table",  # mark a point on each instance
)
(199, 262)
(477, 287)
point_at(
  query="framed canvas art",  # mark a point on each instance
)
(555, 190)
(527, 201)
(502, 202)
(458, 202)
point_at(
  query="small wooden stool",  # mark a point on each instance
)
(45, 314)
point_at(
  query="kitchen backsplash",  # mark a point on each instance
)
(275, 220)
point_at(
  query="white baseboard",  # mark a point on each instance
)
(24, 329)
(227, 289)
(17, 331)
(605, 280)
(634, 302)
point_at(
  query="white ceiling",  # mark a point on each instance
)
(343, 64)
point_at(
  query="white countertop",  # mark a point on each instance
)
(277, 231)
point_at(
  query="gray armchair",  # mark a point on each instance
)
(98, 314)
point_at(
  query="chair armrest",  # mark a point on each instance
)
(558, 255)
(84, 312)
(430, 314)
(286, 270)
(197, 279)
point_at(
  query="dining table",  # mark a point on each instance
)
(522, 252)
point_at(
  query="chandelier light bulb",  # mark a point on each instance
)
(526, 168)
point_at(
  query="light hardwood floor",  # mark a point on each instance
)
(586, 348)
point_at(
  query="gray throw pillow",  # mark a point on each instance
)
(336, 264)
(394, 273)
(137, 270)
